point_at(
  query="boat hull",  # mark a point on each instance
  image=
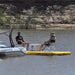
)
(24, 51)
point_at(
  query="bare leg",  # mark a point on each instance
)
(41, 47)
(44, 48)
(27, 46)
(23, 44)
(26, 43)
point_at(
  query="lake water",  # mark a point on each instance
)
(42, 65)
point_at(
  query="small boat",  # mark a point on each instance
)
(5, 48)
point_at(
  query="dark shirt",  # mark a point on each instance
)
(19, 38)
(52, 39)
(47, 43)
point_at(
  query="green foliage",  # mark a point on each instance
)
(35, 22)
(1, 12)
(1, 15)
(8, 19)
(1, 21)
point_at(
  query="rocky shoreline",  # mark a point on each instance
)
(48, 27)
(38, 15)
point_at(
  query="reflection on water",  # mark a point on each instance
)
(42, 65)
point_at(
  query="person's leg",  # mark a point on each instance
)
(41, 47)
(25, 43)
(44, 47)
(52, 47)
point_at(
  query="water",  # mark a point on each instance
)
(42, 65)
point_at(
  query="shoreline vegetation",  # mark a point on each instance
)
(52, 27)
(40, 15)
(48, 27)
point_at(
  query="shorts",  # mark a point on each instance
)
(47, 44)
(52, 41)
(19, 42)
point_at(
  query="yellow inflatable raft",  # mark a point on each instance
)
(49, 53)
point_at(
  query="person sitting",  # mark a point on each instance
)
(51, 41)
(20, 40)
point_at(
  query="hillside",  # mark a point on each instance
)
(38, 13)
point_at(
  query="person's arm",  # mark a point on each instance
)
(22, 39)
(17, 39)
(47, 41)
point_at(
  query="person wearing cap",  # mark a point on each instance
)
(20, 40)
(51, 41)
